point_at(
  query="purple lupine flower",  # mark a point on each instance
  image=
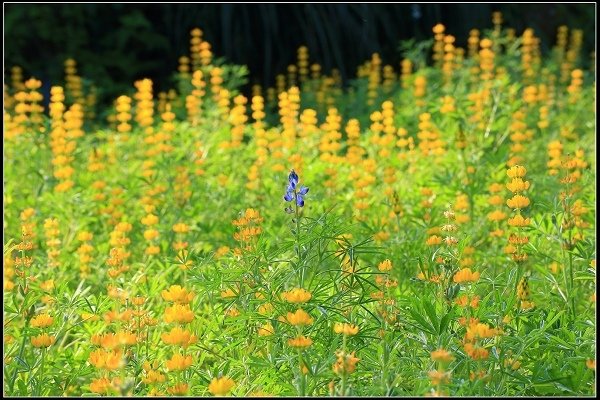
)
(291, 193)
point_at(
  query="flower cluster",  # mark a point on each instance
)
(293, 193)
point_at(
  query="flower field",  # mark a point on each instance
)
(427, 230)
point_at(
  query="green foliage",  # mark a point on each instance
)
(387, 203)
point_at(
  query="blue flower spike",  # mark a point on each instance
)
(293, 179)
(291, 193)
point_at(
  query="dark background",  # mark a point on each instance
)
(115, 44)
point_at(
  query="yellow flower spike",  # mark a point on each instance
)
(442, 356)
(439, 28)
(44, 340)
(177, 294)
(27, 213)
(123, 227)
(385, 265)
(179, 362)
(109, 360)
(296, 295)
(180, 337)
(181, 228)
(516, 171)
(300, 341)
(41, 321)
(150, 234)
(178, 389)
(154, 377)
(180, 313)
(519, 221)
(518, 202)
(433, 240)
(299, 318)
(345, 364)
(345, 329)
(439, 377)
(465, 275)
(479, 330)
(101, 385)
(221, 386)
(496, 215)
(138, 300)
(476, 352)
(517, 185)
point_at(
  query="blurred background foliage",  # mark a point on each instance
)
(115, 44)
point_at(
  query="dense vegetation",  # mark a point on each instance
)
(422, 232)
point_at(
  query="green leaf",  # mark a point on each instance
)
(446, 320)
(430, 310)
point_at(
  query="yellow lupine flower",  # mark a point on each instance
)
(179, 336)
(181, 228)
(439, 377)
(85, 236)
(476, 352)
(516, 171)
(479, 331)
(110, 360)
(41, 321)
(299, 318)
(150, 219)
(496, 215)
(179, 362)
(150, 234)
(517, 185)
(300, 341)
(518, 201)
(346, 329)
(179, 389)
(466, 275)
(385, 265)
(43, 340)
(433, 240)
(177, 294)
(296, 295)
(442, 355)
(180, 313)
(345, 363)
(519, 221)
(100, 385)
(220, 386)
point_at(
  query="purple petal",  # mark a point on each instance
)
(293, 179)
(300, 201)
(288, 196)
(303, 190)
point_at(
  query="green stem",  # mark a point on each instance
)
(41, 381)
(25, 331)
(21, 350)
(570, 283)
(571, 280)
(520, 274)
(386, 357)
(297, 235)
(302, 391)
(344, 365)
